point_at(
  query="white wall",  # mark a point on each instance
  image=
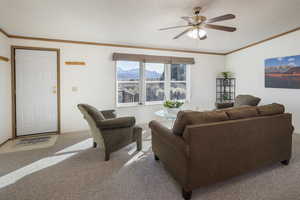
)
(96, 81)
(248, 67)
(5, 88)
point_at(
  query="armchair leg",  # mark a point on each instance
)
(94, 144)
(139, 143)
(107, 156)
(187, 195)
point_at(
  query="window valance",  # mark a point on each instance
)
(153, 59)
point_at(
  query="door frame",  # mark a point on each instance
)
(13, 87)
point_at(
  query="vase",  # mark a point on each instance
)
(173, 111)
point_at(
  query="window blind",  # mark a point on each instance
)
(153, 59)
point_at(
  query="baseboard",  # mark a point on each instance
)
(3, 143)
(77, 131)
(36, 135)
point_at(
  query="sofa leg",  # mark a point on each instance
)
(187, 195)
(156, 157)
(94, 144)
(285, 162)
(107, 156)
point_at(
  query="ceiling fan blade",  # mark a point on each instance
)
(221, 18)
(173, 27)
(190, 20)
(221, 28)
(181, 34)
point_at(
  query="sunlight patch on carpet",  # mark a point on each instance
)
(66, 153)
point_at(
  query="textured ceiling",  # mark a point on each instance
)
(135, 22)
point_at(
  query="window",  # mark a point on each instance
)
(155, 82)
(178, 89)
(128, 82)
(151, 83)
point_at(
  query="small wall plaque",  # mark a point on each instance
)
(75, 63)
(5, 59)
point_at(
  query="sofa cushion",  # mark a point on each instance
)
(242, 112)
(249, 100)
(271, 109)
(185, 118)
(180, 122)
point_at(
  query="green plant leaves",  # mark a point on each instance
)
(173, 104)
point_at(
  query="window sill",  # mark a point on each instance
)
(154, 103)
(125, 105)
(138, 105)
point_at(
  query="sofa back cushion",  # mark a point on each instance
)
(180, 122)
(185, 118)
(246, 100)
(188, 117)
(271, 109)
(242, 112)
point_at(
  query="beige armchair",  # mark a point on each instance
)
(111, 133)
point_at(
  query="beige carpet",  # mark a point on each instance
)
(14, 146)
(72, 170)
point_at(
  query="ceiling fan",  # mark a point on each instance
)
(197, 23)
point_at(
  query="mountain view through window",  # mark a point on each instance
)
(160, 82)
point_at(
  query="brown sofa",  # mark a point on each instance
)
(207, 147)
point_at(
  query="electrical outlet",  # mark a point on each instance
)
(74, 89)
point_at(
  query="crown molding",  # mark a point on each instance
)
(4, 33)
(113, 45)
(265, 40)
(147, 48)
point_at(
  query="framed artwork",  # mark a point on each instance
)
(282, 72)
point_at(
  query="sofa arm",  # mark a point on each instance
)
(108, 114)
(121, 122)
(171, 150)
(167, 135)
(224, 105)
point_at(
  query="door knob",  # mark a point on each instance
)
(54, 91)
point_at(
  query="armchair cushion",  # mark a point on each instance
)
(249, 100)
(109, 114)
(224, 105)
(122, 122)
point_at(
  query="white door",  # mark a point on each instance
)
(36, 91)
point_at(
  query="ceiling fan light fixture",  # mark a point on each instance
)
(196, 23)
(197, 33)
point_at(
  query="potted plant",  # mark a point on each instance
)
(172, 106)
(226, 75)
